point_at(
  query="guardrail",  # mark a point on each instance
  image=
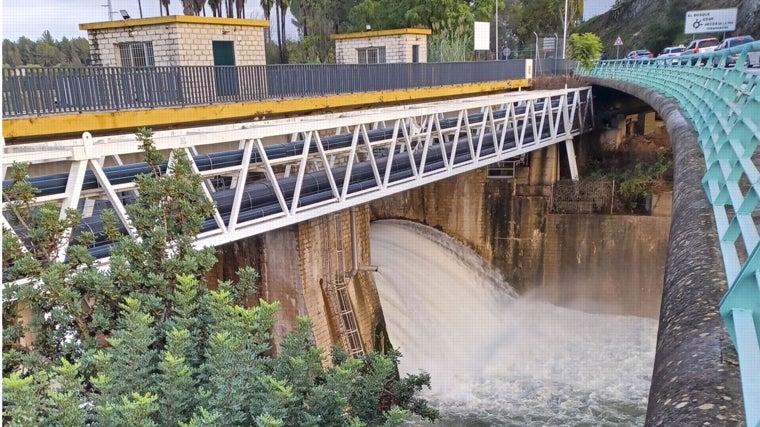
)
(44, 91)
(41, 91)
(723, 104)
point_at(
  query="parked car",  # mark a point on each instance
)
(701, 46)
(639, 54)
(733, 42)
(671, 52)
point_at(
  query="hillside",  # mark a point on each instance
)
(655, 24)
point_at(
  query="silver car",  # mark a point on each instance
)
(732, 58)
(671, 52)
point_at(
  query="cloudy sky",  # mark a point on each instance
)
(592, 8)
(31, 18)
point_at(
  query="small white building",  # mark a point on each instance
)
(176, 40)
(217, 46)
(379, 47)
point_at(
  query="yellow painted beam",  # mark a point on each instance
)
(95, 122)
(173, 19)
(381, 33)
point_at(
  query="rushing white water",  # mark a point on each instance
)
(500, 361)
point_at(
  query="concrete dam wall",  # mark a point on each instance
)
(607, 263)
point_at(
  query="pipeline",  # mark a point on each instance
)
(260, 198)
(56, 183)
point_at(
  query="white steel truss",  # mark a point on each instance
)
(268, 174)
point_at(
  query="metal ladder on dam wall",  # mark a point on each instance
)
(339, 302)
(336, 290)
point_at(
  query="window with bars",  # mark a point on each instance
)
(138, 54)
(371, 55)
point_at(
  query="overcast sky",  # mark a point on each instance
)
(592, 8)
(31, 18)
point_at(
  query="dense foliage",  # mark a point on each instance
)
(584, 48)
(147, 343)
(45, 51)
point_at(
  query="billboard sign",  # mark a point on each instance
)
(710, 21)
(482, 36)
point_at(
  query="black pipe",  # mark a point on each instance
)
(56, 183)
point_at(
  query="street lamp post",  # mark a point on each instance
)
(564, 34)
(496, 26)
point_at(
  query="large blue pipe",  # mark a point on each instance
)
(260, 199)
(56, 183)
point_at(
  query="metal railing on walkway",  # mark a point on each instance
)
(723, 105)
(44, 91)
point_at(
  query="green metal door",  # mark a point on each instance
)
(225, 73)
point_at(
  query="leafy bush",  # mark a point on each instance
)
(585, 48)
(147, 343)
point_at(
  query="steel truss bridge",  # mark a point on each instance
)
(263, 175)
(723, 105)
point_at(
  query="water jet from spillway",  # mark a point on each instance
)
(497, 359)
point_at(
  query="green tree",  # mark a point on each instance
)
(282, 7)
(147, 343)
(450, 42)
(584, 48)
(11, 54)
(45, 51)
(26, 49)
(544, 17)
(266, 6)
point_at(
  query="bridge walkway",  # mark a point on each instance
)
(60, 102)
(264, 175)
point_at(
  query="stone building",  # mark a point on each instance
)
(179, 40)
(176, 40)
(379, 47)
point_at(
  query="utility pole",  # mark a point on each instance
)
(496, 25)
(110, 9)
(564, 34)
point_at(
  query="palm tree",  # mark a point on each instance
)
(165, 3)
(267, 6)
(283, 10)
(240, 8)
(200, 6)
(216, 7)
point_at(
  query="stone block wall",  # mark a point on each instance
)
(297, 264)
(397, 43)
(178, 40)
(325, 249)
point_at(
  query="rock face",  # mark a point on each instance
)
(654, 24)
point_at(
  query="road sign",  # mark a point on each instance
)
(549, 44)
(618, 41)
(710, 21)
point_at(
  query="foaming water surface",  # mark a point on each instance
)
(500, 360)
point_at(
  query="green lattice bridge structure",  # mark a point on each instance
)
(722, 105)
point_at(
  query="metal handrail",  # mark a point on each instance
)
(46, 91)
(723, 105)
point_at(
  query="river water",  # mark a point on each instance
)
(500, 360)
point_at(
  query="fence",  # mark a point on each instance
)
(41, 91)
(603, 197)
